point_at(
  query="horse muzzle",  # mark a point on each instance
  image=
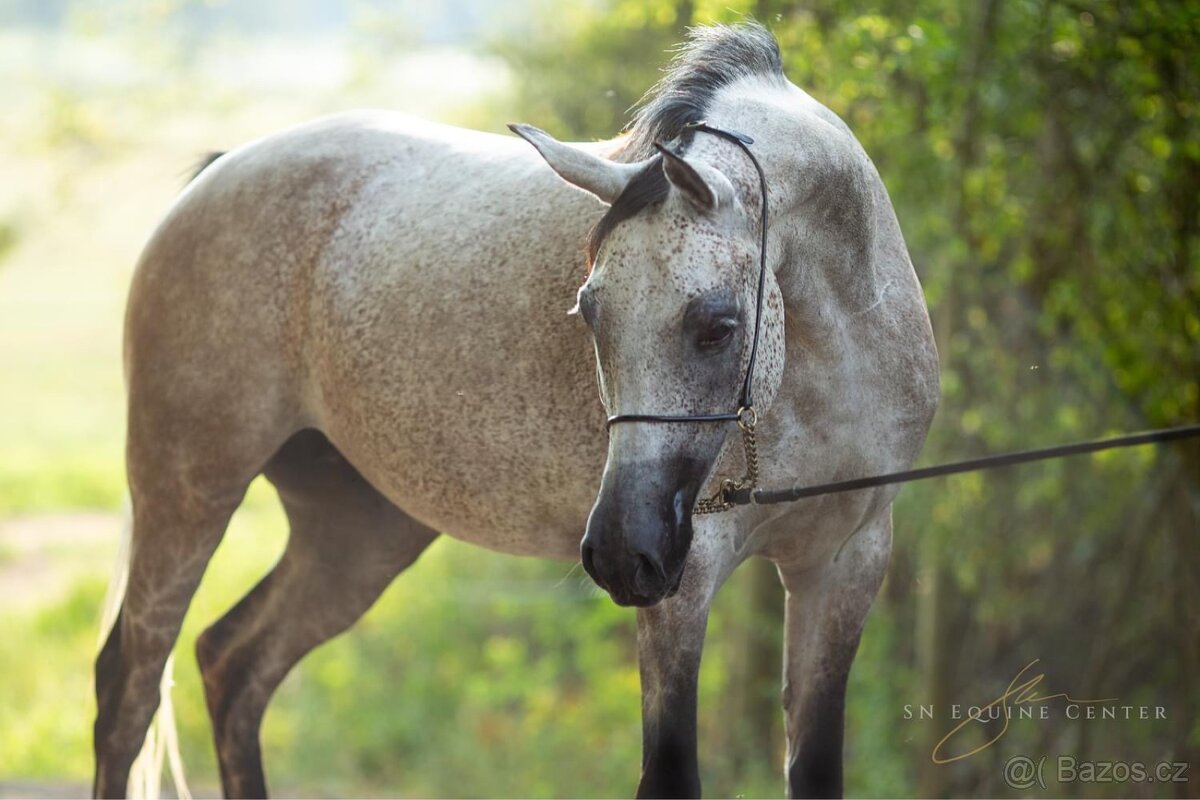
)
(639, 532)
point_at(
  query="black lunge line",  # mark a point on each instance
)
(766, 497)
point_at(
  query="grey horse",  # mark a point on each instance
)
(373, 312)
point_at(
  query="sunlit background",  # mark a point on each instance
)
(1044, 160)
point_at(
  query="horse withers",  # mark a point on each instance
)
(372, 312)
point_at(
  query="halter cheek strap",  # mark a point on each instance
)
(745, 415)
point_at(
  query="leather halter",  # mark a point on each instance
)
(745, 416)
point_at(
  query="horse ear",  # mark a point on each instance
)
(705, 187)
(599, 176)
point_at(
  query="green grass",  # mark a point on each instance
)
(475, 675)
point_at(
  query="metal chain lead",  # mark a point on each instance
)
(722, 499)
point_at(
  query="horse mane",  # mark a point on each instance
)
(204, 162)
(712, 57)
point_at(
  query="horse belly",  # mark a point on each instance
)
(484, 474)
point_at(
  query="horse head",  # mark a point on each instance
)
(671, 301)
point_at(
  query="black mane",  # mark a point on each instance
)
(713, 57)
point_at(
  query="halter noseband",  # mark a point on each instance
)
(745, 415)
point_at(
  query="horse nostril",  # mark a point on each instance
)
(648, 565)
(587, 555)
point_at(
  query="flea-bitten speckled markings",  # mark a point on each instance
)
(372, 311)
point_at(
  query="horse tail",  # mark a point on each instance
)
(162, 738)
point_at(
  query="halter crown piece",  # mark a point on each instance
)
(745, 416)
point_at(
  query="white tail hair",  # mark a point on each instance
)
(162, 739)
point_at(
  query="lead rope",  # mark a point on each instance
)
(744, 496)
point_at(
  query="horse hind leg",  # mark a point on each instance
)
(347, 543)
(181, 508)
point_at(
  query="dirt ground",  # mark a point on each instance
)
(37, 791)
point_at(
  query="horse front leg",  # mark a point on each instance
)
(827, 607)
(670, 641)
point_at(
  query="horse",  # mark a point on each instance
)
(384, 317)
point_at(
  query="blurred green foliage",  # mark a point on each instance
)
(1044, 160)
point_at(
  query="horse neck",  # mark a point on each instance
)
(825, 197)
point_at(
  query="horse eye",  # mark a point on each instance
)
(717, 335)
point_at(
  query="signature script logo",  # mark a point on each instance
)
(1019, 693)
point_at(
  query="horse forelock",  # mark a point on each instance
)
(713, 57)
(647, 188)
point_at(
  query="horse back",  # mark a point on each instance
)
(358, 275)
